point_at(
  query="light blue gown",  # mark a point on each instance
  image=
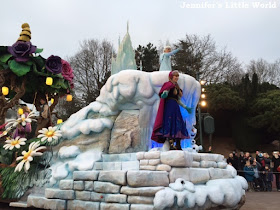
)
(165, 60)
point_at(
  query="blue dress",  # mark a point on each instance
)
(173, 126)
(165, 60)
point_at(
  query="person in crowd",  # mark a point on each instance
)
(261, 160)
(276, 168)
(247, 156)
(257, 155)
(258, 180)
(268, 178)
(249, 175)
(267, 159)
(232, 160)
(241, 164)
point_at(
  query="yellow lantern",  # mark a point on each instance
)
(5, 91)
(203, 96)
(20, 111)
(52, 100)
(203, 103)
(69, 97)
(49, 81)
(59, 121)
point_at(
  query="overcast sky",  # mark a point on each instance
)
(59, 26)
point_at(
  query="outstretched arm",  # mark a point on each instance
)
(173, 52)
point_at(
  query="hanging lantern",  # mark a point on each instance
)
(5, 91)
(52, 100)
(20, 111)
(59, 121)
(69, 97)
(49, 81)
(203, 103)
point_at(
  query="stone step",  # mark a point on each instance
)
(19, 204)
(119, 157)
(41, 202)
(112, 166)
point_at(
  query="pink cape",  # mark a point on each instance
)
(159, 118)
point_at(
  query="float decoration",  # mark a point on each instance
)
(24, 71)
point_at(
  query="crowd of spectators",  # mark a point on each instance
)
(259, 171)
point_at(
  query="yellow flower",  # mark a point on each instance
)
(28, 156)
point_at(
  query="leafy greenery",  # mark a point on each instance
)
(265, 112)
(250, 109)
(221, 96)
(15, 184)
(20, 69)
(148, 56)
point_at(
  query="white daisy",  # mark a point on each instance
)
(4, 133)
(22, 120)
(49, 134)
(28, 156)
(17, 142)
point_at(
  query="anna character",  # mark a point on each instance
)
(169, 125)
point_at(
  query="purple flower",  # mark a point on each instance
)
(21, 50)
(53, 64)
(67, 72)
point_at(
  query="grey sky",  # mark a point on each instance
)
(59, 26)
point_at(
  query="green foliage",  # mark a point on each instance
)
(187, 60)
(149, 57)
(35, 72)
(5, 57)
(246, 138)
(265, 112)
(6, 156)
(20, 69)
(39, 50)
(15, 184)
(222, 97)
(254, 110)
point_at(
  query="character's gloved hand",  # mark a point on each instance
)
(189, 110)
(164, 94)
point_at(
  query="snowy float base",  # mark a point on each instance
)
(149, 180)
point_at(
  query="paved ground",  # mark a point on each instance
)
(262, 201)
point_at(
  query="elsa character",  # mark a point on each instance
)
(165, 60)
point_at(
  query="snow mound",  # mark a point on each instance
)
(227, 192)
(131, 90)
(68, 152)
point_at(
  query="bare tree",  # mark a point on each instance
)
(92, 67)
(267, 72)
(200, 55)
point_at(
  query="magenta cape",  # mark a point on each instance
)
(159, 118)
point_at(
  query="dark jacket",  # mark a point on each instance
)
(233, 161)
(249, 173)
(276, 162)
(241, 162)
(268, 176)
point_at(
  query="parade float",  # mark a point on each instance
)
(105, 158)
